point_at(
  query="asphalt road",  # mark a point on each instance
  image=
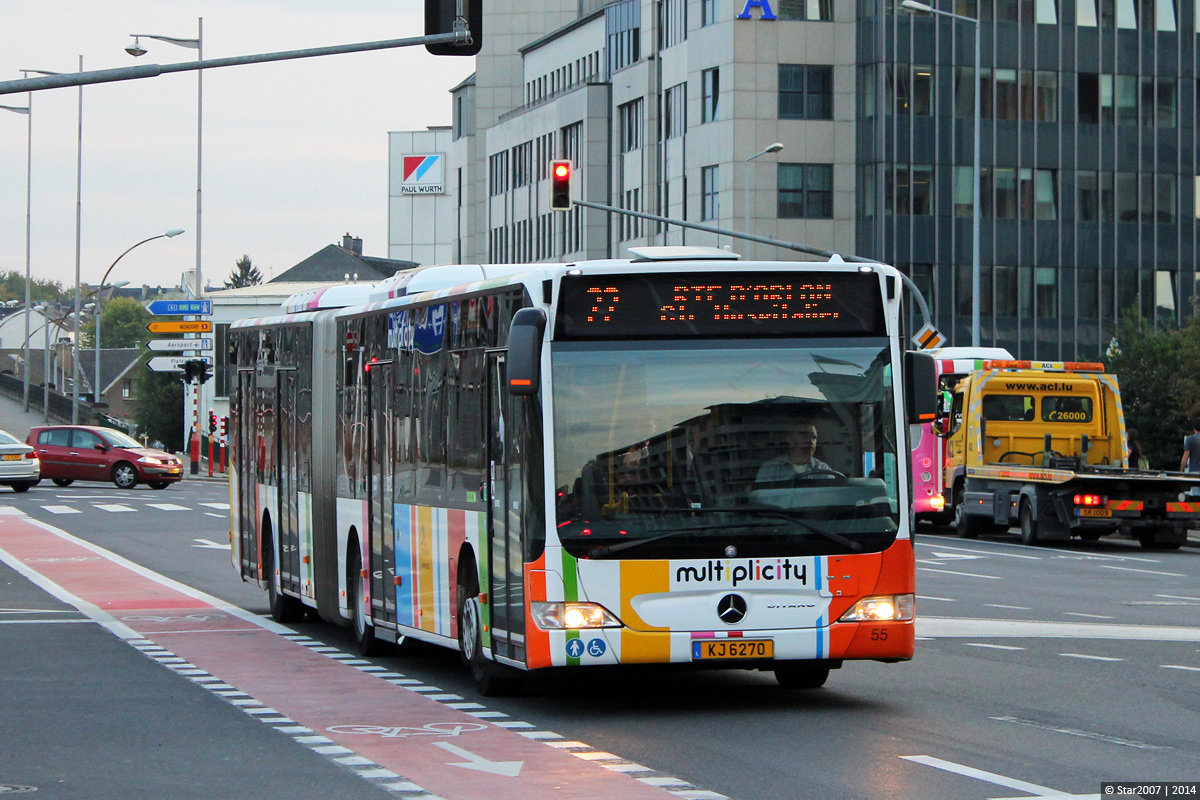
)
(1037, 671)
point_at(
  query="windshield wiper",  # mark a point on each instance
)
(791, 516)
(628, 544)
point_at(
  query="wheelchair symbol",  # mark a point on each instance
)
(594, 648)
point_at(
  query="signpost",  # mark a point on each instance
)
(174, 363)
(178, 345)
(197, 326)
(174, 307)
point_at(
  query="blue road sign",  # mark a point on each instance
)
(192, 307)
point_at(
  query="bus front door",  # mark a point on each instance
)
(505, 459)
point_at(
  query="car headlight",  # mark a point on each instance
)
(880, 608)
(571, 616)
(149, 460)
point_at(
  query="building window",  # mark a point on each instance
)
(1039, 96)
(710, 102)
(675, 111)
(708, 13)
(964, 92)
(672, 23)
(1126, 196)
(1047, 12)
(522, 164)
(629, 117)
(1159, 102)
(805, 91)
(126, 388)
(908, 190)
(1006, 293)
(1046, 292)
(811, 10)
(1166, 198)
(1085, 13)
(805, 191)
(1005, 81)
(998, 193)
(1127, 99)
(964, 191)
(710, 196)
(1038, 194)
(498, 173)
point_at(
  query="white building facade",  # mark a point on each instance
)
(659, 104)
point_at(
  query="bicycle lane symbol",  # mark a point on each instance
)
(428, 729)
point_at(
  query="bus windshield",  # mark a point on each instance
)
(711, 449)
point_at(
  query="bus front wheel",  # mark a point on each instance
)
(491, 679)
(364, 633)
(801, 675)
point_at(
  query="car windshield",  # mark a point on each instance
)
(689, 449)
(119, 439)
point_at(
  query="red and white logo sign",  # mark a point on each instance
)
(423, 174)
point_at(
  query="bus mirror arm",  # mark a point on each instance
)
(523, 366)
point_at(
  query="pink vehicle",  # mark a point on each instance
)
(928, 451)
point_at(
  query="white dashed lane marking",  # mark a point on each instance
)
(114, 507)
(168, 507)
(62, 509)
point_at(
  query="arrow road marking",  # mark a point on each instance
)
(210, 544)
(999, 780)
(509, 769)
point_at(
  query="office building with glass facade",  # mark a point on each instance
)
(1087, 147)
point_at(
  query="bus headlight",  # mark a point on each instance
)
(889, 607)
(571, 616)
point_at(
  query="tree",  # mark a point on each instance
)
(1159, 375)
(122, 324)
(12, 287)
(160, 406)
(245, 274)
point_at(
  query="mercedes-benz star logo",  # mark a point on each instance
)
(731, 608)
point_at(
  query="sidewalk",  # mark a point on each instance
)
(15, 420)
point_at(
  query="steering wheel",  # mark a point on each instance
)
(834, 477)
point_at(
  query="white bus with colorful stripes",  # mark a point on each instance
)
(567, 465)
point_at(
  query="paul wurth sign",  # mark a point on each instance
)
(423, 174)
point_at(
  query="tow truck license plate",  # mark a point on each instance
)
(732, 648)
(1095, 512)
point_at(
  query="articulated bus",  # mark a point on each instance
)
(929, 450)
(561, 465)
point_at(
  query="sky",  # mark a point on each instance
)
(294, 152)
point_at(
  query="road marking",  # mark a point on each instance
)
(168, 507)
(938, 599)
(62, 509)
(1089, 657)
(116, 507)
(1181, 666)
(1177, 597)
(43, 621)
(210, 544)
(218, 516)
(964, 574)
(956, 556)
(1144, 571)
(509, 769)
(1089, 616)
(1001, 605)
(218, 506)
(992, 777)
(994, 646)
(11, 511)
(962, 628)
(37, 611)
(1099, 737)
(984, 553)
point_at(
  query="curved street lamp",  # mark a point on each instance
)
(97, 387)
(771, 148)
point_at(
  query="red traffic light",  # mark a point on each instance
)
(560, 185)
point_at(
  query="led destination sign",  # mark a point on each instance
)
(745, 304)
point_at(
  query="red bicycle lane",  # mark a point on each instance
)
(443, 750)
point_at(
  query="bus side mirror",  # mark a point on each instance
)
(920, 387)
(524, 373)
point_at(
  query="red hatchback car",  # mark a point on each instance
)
(72, 453)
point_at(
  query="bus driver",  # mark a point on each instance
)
(799, 458)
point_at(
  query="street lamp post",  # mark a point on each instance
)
(136, 50)
(771, 148)
(97, 386)
(27, 110)
(976, 297)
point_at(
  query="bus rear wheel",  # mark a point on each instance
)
(285, 609)
(801, 674)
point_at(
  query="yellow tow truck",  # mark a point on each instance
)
(1042, 445)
